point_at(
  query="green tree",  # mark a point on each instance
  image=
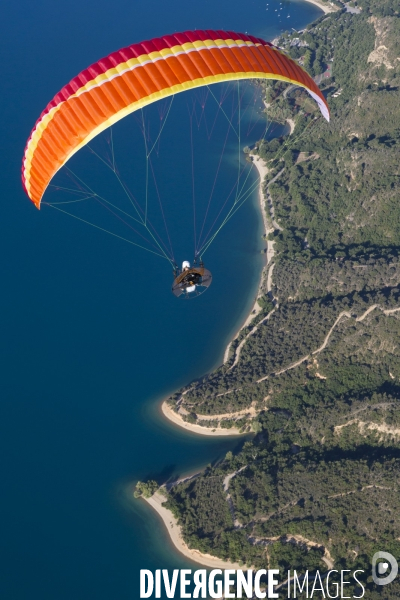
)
(146, 488)
(308, 60)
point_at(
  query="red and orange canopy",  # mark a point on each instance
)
(138, 75)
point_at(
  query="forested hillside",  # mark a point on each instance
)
(318, 370)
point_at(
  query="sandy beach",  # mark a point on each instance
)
(175, 534)
(171, 415)
(291, 124)
(326, 7)
(262, 171)
(268, 227)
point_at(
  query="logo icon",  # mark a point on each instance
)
(384, 568)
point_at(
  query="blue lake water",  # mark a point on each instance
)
(91, 337)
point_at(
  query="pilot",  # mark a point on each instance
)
(187, 279)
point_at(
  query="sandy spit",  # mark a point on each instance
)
(175, 534)
(171, 415)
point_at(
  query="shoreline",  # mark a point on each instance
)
(176, 419)
(156, 501)
(326, 8)
(262, 169)
(262, 172)
(175, 534)
(166, 410)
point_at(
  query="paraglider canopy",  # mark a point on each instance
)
(128, 80)
(138, 75)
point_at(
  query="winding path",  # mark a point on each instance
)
(344, 313)
(226, 482)
(244, 340)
